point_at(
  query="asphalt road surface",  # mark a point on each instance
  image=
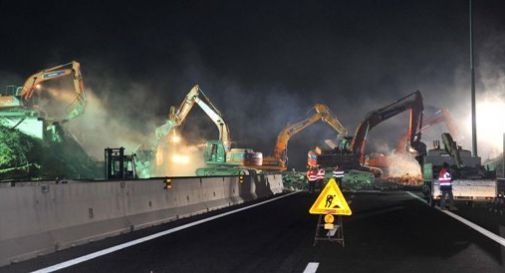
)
(388, 232)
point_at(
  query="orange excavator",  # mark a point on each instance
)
(54, 95)
(351, 151)
(27, 95)
(441, 116)
(278, 160)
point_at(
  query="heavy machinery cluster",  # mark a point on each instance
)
(31, 116)
(33, 144)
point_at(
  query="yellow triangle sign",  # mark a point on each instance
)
(331, 201)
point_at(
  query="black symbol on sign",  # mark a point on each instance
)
(329, 200)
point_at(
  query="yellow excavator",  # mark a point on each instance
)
(45, 98)
(278, 160)
(177, 116)
(219, 157)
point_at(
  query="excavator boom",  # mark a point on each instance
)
(215, 116)
(412, 102)
(451, 147)
(177, 117)
(74, 104)
(440, 116)
(279, 158)
(33, 82)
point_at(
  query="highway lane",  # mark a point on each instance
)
(388, 232)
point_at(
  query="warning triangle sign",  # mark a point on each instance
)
(331, 201)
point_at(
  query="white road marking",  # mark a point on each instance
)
(109, 250)
(500, 240)
(311, 268)
(417, 197)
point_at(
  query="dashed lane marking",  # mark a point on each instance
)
(311, 268)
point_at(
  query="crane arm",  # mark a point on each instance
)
(412, 102)
(322, 112)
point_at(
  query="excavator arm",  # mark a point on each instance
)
(443, 116)
(215, 116)
(440, 116)
(451, 147)
(331, 120)
(412, 102)
(177, 117)
(279, 158)
(33, 84)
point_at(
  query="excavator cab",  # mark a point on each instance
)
(214, 152)
(345, 143)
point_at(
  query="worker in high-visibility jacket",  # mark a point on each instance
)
(315, 175)
(338, 174)
(445, 182)
(312, 178)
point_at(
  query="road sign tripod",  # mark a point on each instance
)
(330, 204)
(325, 233)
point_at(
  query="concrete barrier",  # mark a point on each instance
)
(37, 218)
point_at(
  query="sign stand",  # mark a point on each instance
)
(335, 234)
(330, 202)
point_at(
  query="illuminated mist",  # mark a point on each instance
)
(97, 129)
(176, 157)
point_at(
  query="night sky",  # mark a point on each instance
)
(263, 63)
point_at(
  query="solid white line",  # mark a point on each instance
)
(109, 250)
(500, 240)
(417, 197)
(311, 268)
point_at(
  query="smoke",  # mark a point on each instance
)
(381, 147)
(8, 78)
(448, 86)
(176, 157)
(402, 164)
(99, 128)
(264, 74)
(490, 98)
(490, 125)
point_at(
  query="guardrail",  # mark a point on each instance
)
(41, 217)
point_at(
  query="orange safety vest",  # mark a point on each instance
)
(444, 177)
(321, 174)
(312, 175)
(316, 174)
